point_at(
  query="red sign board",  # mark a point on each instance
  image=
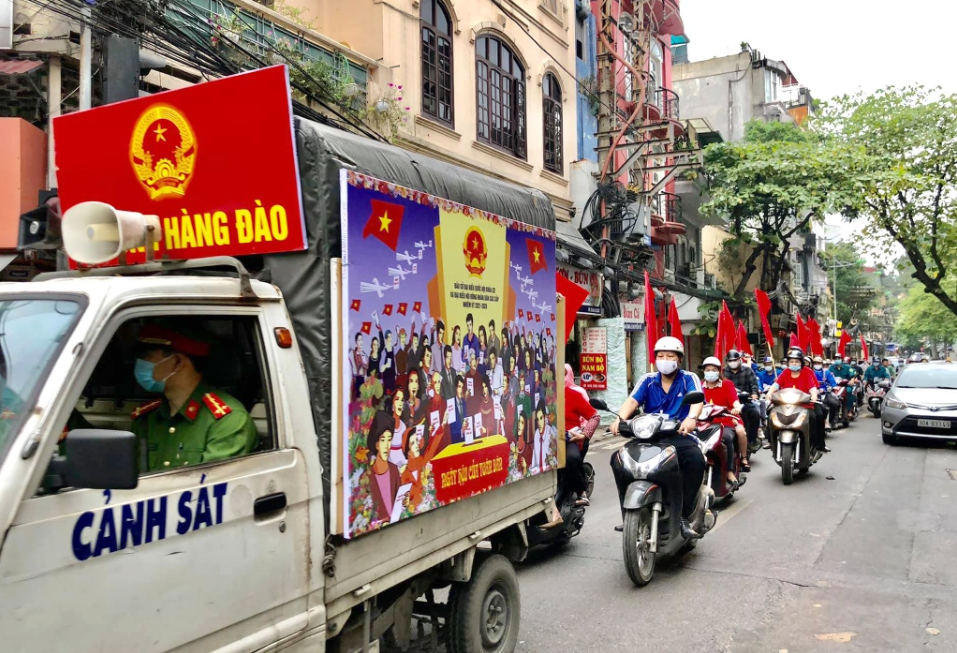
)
(215, 161)
(594, 371)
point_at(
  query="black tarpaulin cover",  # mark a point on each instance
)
(304, 277)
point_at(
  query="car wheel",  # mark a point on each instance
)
(889, 439)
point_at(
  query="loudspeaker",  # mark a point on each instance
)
(95, 233)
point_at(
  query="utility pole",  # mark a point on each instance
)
(607, 99)
(86, 59)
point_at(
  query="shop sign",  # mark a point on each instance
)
(633, 315)
(592, 281)
(594, 371)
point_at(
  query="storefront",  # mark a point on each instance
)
(588, 314)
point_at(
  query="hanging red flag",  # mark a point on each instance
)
(521, 313)
(651, 319)
(845, 341)
(742, 339)
(417, 307)
(536, 255)
(817, 347)
(804, 336)
(794, 341)
(403, 307)
(675, 321)
(864, 352)
(387, 309)
(575, 296)
(764, 310)
(385, 223)
(366, 328)
(356, 303)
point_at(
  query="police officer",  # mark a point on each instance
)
(192, 423)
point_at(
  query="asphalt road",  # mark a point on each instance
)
(862, 563)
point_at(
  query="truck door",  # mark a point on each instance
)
(211, 548)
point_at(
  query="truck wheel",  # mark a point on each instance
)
(787, 463)
(486, 611)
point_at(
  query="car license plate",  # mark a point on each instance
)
(933, 423)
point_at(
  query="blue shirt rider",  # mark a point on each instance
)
(768, 373)
(825, 380)
(875, 371)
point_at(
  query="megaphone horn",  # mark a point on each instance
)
(95, 232)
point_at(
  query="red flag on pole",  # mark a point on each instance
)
(804, 336)
(574, 295)
(817, 348)
(675, 322)
(742, 343)
(764, 310)
(724, 338)
(794, 341)
(651, 320)
(845, 341)
(864, 351)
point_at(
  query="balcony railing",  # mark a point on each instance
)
(666, 206)
(667, 101)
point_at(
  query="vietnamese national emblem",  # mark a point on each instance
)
(163, 151)
(475, 251)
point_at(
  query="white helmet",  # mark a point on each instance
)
(711, 360)
(669, 343)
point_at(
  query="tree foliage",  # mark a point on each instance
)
(772, 186)
(923, 318)
(902, 183)
(856, 292)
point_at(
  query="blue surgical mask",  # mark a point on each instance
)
(711, 376)
(794, 367)
(143, 371)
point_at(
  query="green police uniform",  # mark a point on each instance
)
(210, 426)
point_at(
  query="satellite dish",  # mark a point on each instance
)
(626, 23)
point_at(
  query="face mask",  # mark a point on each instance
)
(768, 368)
(143, 371)
(794, 367)
(666, 367)
(710, 376)
(734, 365)
(819, 367)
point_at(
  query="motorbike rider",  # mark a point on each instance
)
(859, 367)
(799, 376)
(581, 420)
(891, 370)
(663, 392)
(826, 383)
(876, 372)
(843, 369)
(745, 380)
(747, 359)
(720, 392)
(768, 373)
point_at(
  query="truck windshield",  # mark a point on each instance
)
(32, 332)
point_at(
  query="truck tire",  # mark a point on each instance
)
(485, 612)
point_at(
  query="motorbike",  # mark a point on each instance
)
(718, 463)
(790, 433)
(543, 533)
(840, 391)
(745, 399)
(876, 390)
(649, 487)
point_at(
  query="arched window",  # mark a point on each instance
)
(500, 95)
(552, 115)
(436, 61)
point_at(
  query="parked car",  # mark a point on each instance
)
(921, 404)
(918, 357)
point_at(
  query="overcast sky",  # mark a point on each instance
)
(833, 46)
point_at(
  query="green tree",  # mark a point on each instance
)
(922, 318)
(856, 294)
(772, 186)
(902, 183)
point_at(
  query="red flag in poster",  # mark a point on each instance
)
(536, 255)
(804, 335)
(387, 310)
(742, 339)
(417, 307)
(538, 317)
(675, 321)
(403, 307)
(367, 328)
(385, 223)
(356, 303)
(521, 314)
(764, 310)
(575, 296)
(794, 341)
(548, 331)
(845, 341)
(528, 315)
(651, 319)
(864, 353)
(817, 348)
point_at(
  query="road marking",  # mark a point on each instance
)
(724, 516)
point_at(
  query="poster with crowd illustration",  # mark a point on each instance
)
(449, 316)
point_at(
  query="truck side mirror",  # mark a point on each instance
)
(99, 459)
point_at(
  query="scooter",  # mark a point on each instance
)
(745, 399)
(649, 487)
(840, 391)
(790, 433)
(544, 533)
(876, 390)
(709, 431)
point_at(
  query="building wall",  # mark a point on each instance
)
(390, 30)
(22, 174)
(586, 68)
(719, 90)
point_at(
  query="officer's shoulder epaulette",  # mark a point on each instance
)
(217, 406)
(148, 407)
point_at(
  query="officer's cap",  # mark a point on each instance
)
(183, 340)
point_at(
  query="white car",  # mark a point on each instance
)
(921, 404)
